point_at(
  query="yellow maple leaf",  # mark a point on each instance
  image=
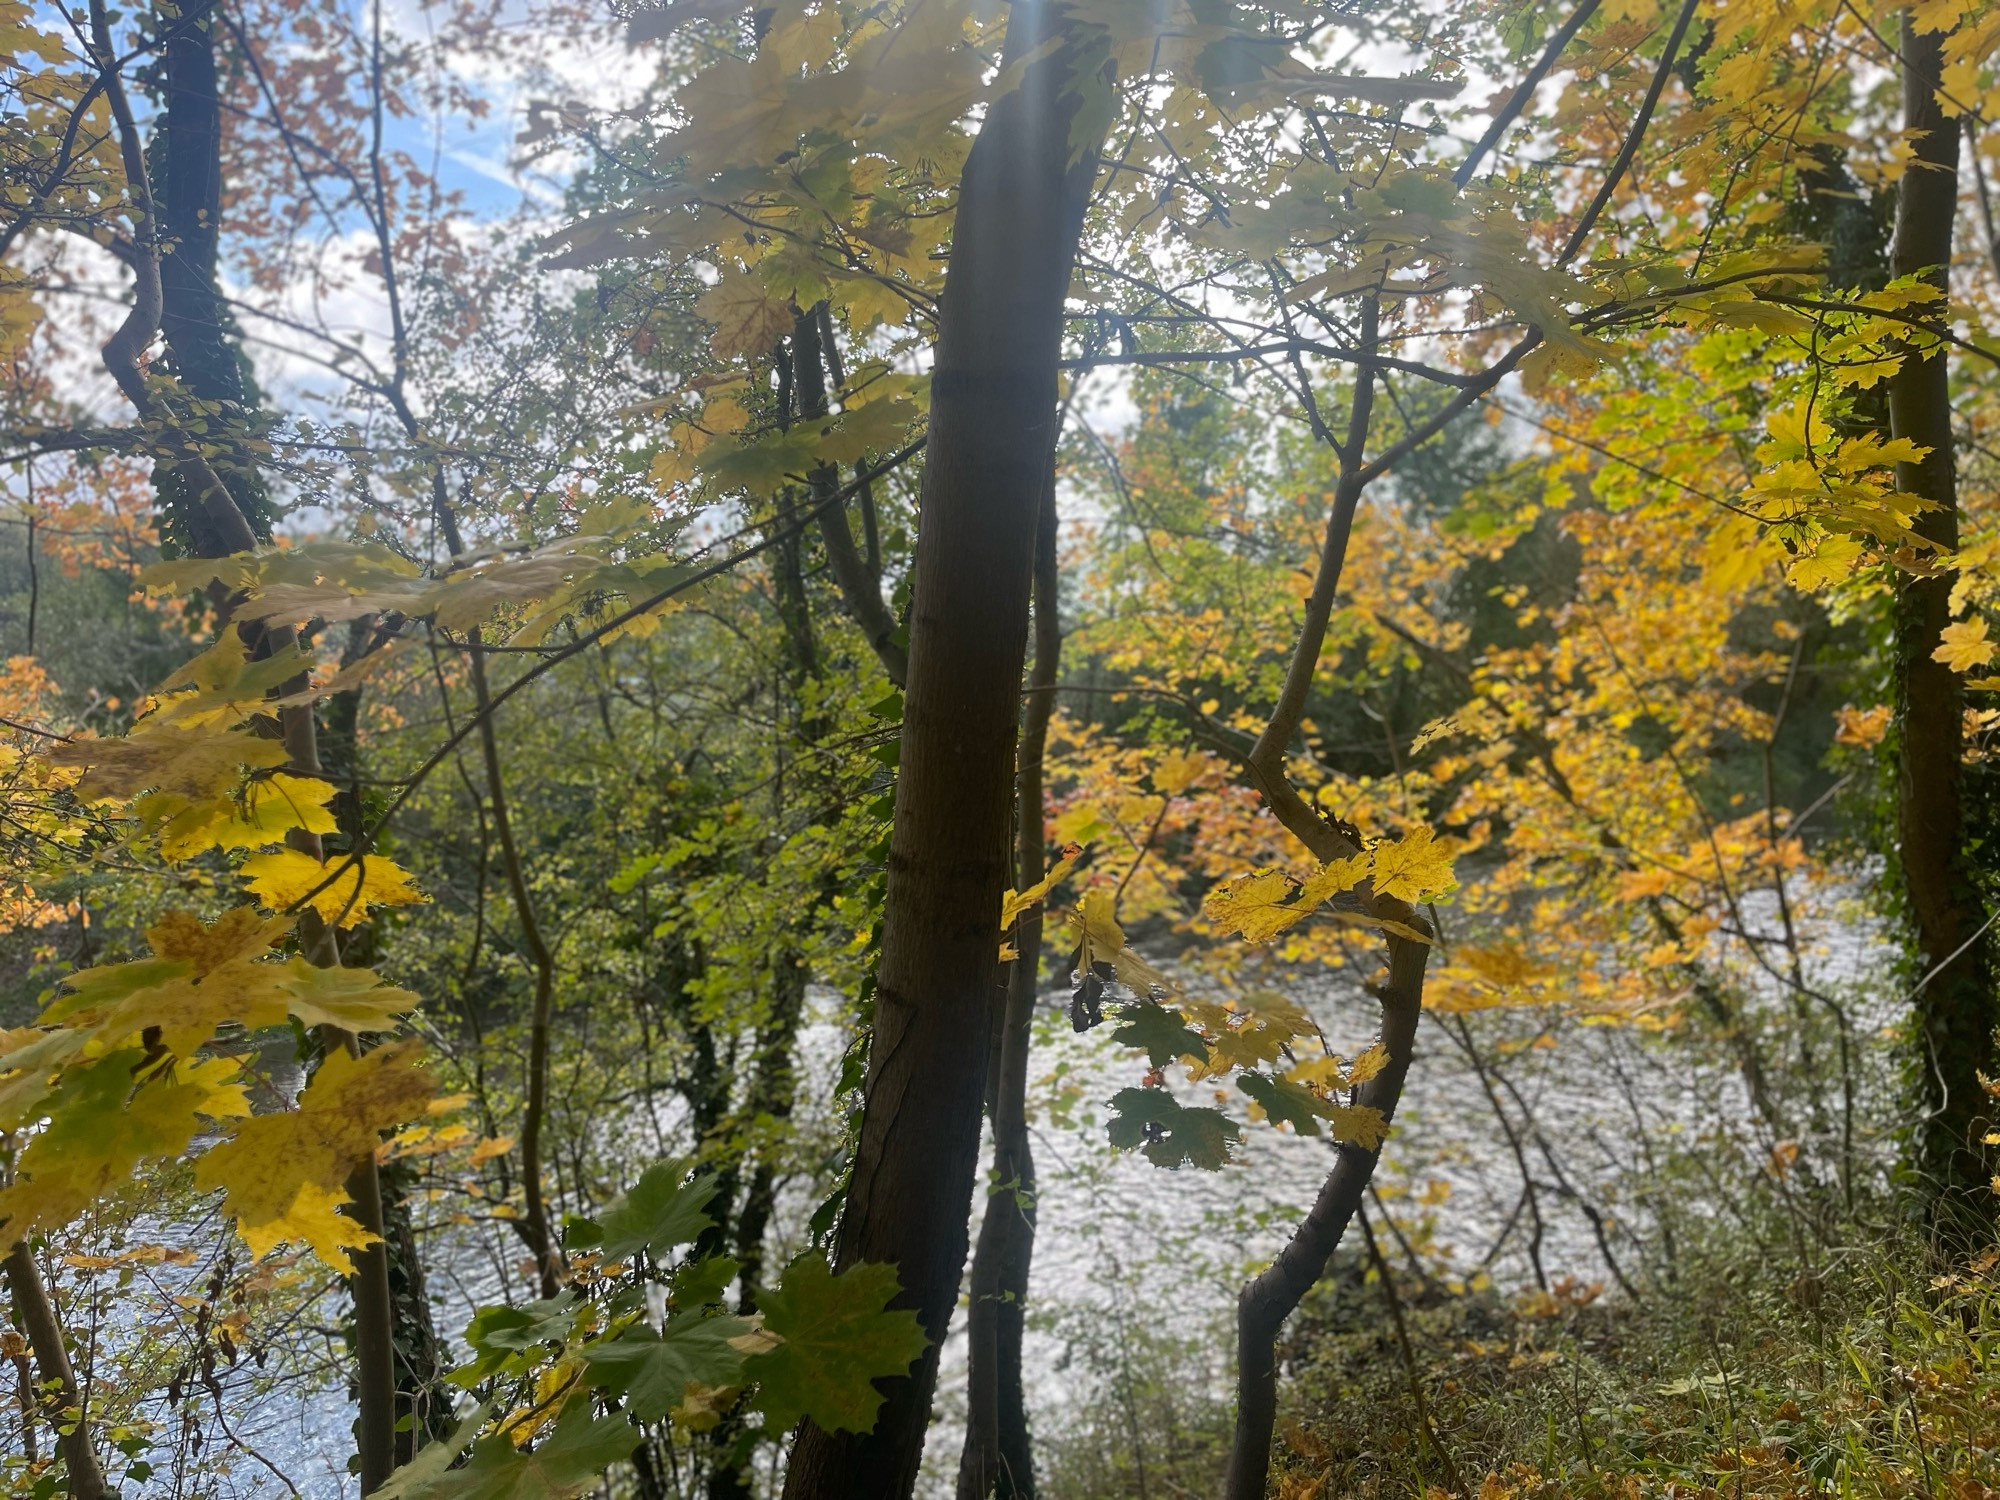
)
(283, 1174)
(1267, 1022)
(226, 684)
(1176, 771)
(747, 318)
(341, 889)
(1260, 905)
(1413, 869)
(242, 932)
(1256, 906)
(1333, 877)
(1100, 940)
(1864, 728)
(1014, 903)
(101, 1126)
(200, 978)
(353, 1000)
(867, 300)
(256, 817)
(1829, 562)
(1965, 645)
(1356, 1125)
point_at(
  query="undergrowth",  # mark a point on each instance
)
(1866, 1369)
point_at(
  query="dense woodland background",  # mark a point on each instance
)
(940, 747)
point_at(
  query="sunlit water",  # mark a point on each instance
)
(1120, 1240)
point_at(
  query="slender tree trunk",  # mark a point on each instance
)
(993, 408)
(1269, 1299)
(998, 1457)
(534, 1112)
(419, 1356)
(771, 1096)
(1955, 1010)
(38, 1312)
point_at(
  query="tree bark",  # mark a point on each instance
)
(993, 410)
(38, 1312)
(998, 1457)
(194, 319)
(1955, 1009)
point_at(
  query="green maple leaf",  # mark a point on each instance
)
(498, 1334)
(840, 1337)
(570, 1459)
(1171, 1135)
(1160, 1032)
(698, 1282)
(1283, 1100)
(659, 1211)
(652, 1371)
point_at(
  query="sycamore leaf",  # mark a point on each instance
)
(257, 817)
(840, 1337)
(653, 1371)
(101, 1127)
(697, 1283)
(180, 1013)
(352, 884)
(1357, 1125)
(225, 684)
(1177, 771)
(500, 1335)
(663, 1209)
(1014, 903)
(1261, 905)
(190, 763)
(1255, 906)
(434, 1458)
(574, 1455)
(1831, 561)
(206, 977)
(1283, 1101)
(1413, 869)
(1169, 1134)
(1160, 1032)
(748, 319)
(354, 1000)
(31, 1060)
(1101, 949)
(242, 932)
(1367, 1065)
(283, 1173)
(1964, 645)
(1268, 1023)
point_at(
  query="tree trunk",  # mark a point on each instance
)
(1955, 1011)
(194, 319)
(38, 1312)
(993, 408)
(998, 1457)
(1268, 1300)
(421, 1396)
(220, 495)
